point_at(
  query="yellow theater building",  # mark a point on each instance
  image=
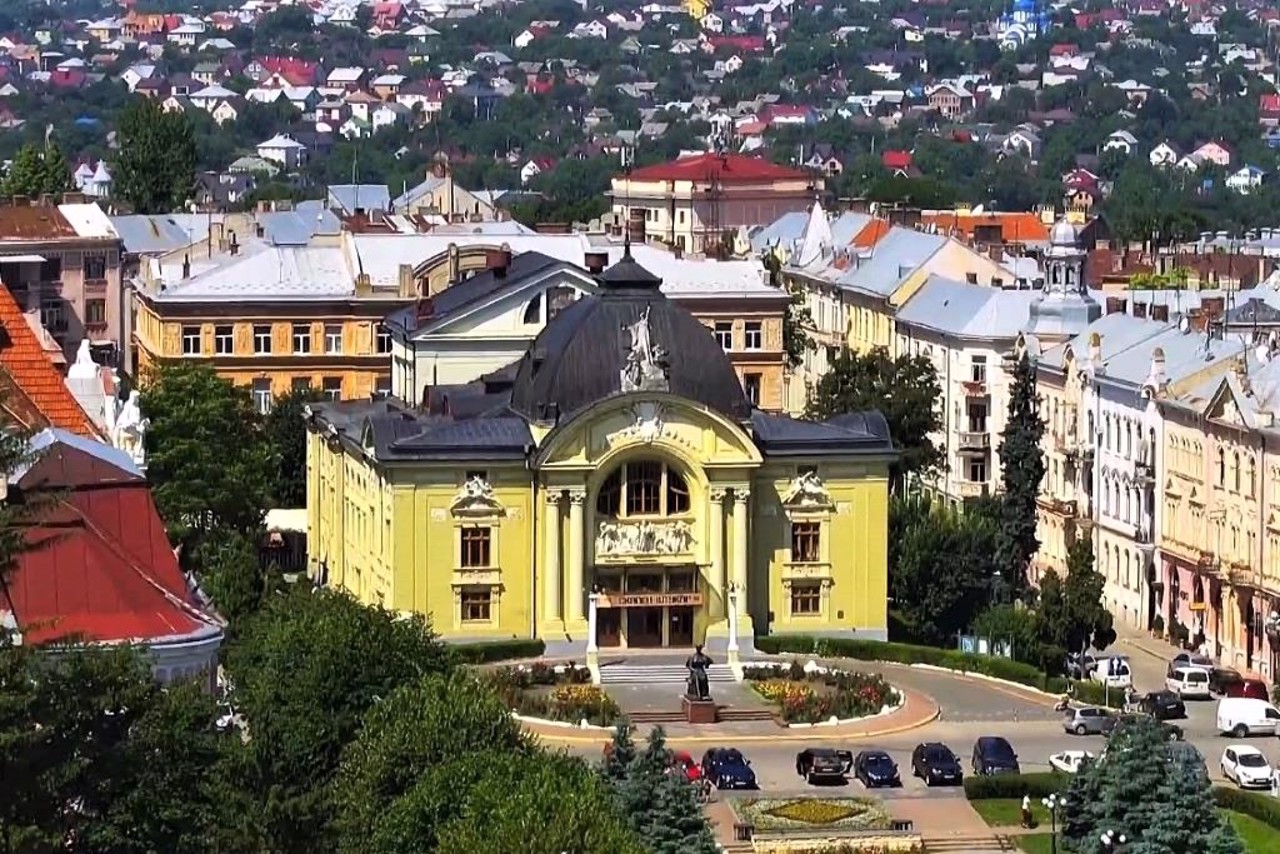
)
(612, 487)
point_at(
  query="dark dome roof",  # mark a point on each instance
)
(578, 359)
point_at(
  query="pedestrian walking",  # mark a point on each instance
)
(1026, 811)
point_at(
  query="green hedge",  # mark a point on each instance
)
(503, 650)
(902, 653)
(1038, 785)
(1264, 808)
(1088, 692)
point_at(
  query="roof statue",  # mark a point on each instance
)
(646, 362)
(129, 428)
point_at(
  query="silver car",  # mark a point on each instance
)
(1086, 720)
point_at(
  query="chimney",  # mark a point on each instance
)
(1095, 349)
(1199, 320)
(596, 262)
(1116, 305)
(1158, 378)
(1139, 309)
(186, 266)
(1213, 307)
(498, 260)
(1160, 313)
(635, 225)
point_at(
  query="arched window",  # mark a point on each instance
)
(643, 488)
(533, 311)
(1252, 479)
(1235, 471)
(1222, 467)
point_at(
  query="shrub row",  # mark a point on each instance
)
(902, 653)
(503, 650)
(1264, 808)
(1038, 785)
(1088, 692)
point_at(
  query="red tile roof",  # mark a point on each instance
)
(1014, 227)
(725, 168)
(896, 159)
(28, 366)
(871, 233)
(102, 568)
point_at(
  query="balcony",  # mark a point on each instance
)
(972, 488)
(974, 441)
(476, 577)
(1144, 472)
(805, 571)
(1207, 562)
(974, 388)
(1240, 574)
(1058, 506)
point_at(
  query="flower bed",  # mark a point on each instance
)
(561, 692)
(813, 694)
(843, 814)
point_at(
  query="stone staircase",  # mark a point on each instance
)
(659, 674)
(973, 844)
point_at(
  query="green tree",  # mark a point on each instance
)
(940, 566)
(660, 806)
(37, 170)
(286, 430)
(419, 727)
(306, 669)
(230, 572)
(904, 389)
(1022, 469)
(1162, 803)
(1071, 614)
(155, 163)
(209, 463)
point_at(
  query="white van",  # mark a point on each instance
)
(1242, 716)
(1113, 671)
(1190, 683)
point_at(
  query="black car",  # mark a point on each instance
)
(994, 755)
(1172, 732)
(934, 763)
(875, 768)
(727, 768)
(1163, 705)
(823, 763)
(1222, 678)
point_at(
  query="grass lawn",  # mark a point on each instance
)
(1258, 837)
(1007, 812)
(1035, 843)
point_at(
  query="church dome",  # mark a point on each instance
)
(628, 337)
(1064, 234)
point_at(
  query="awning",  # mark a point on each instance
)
(22, 259)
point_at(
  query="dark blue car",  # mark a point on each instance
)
(875, 768)
(727, 768)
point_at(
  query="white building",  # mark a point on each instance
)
(284, 150)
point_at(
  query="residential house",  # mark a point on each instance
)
(1246, 179)
(1215, 152)
(951, 101)
(1164, 155)
(1121, 141)
(284, 150)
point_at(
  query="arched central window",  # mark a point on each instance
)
(643, 488)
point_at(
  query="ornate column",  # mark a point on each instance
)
(553, 597)
(715, 544)
(577, 535)
(741, 498)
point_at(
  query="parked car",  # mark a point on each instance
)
(1246, 766)
(1086, 720)
(1244, 716)
(1191, 659)
(934, 763)
(727, 768)
(1221, 679)
(1172, 732)
(1250, 689)
(1163, 705)
(823, 763)
(1080, 665)
(994, 755)
(875, 768)
(1069, 761)
(686, 765)
(1188, 681)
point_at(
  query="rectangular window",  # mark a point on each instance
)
(52, 315)
(806, 542)
(806, 599)
(262, 340)
(978, 418)
(724, 334)
(333, 339)
(977, 471)
(95, 312)
(751, 385)
(95, 267)
(978, 369)
(477, 606)
(332, 388)
(262, 395)
(644, 488)
(191, 340)
(384, 340)
(301, 338)
(224, 340)
(300, 384)
(51, 270)
(753, 338)
(475, 548)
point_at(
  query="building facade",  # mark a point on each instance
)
(617, 489)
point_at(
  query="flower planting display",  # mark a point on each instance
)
(813, 694)
(560, 692)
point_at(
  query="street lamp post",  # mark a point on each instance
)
(1053, 803)
(1112, 840)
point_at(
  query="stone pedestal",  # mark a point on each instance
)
(699, 711)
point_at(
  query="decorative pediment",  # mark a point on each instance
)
(1224, 408)
(476, 498)
(616, 538)
(807, 492)
(648, 424)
